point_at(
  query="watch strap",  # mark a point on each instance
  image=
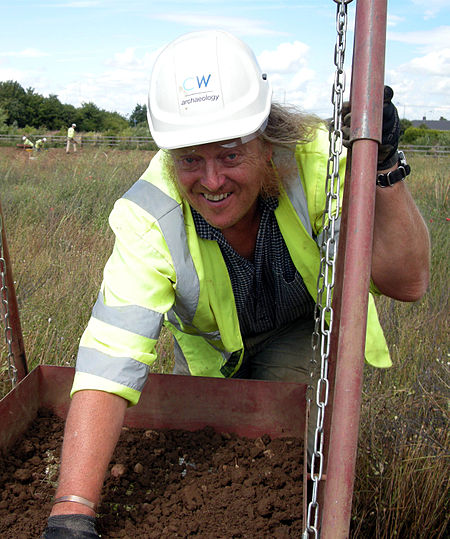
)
(397, 175)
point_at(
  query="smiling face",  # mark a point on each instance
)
(223, 183)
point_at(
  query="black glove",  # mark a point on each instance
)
(70, 527)
(390, 131)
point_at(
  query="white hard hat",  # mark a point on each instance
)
(74, 125)
(44, 139)
(206, 87)
(24, 137)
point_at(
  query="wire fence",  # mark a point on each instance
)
(59, 141)
(429, 150)
(147, 143)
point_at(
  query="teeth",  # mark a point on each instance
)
(215, 198)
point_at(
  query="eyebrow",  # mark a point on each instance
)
(182, 151)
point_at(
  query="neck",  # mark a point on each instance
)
(242, 236)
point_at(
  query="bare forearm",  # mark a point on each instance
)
(92, 429)
(401, 248)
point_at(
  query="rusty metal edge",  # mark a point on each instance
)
(246, 407)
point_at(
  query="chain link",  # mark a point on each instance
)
(12, 371)
(323, 314)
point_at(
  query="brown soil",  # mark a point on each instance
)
(163, 484)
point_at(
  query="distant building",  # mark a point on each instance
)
(440, 125)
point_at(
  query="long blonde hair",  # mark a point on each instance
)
(287, 126)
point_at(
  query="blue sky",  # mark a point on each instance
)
(102, 51)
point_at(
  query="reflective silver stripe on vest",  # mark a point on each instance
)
(116, 369)
(192, 330)
(180, 364)
(169, 215)
(296, 194)
(133, 318)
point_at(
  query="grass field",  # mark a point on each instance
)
(56, 208)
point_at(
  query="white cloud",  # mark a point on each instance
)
(123, 84)
(129, 59)
(394, 20)
(236, 25)
(126, 59)
(81, 4)
(286, 58)
(112, 91)
(432, 7)
(26, 53)
(12, 74)
(433, 63)
(427, 40)
(422, 86)
(293, 80)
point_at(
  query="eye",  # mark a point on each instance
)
(188, 162)
(232, 158)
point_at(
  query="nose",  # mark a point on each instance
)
(212, 178)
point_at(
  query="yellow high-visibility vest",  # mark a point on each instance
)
(161, 273)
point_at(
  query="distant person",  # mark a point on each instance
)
(27, 144)
(71, 138)
(40, 144)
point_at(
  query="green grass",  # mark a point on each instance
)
(56, 209)
(401, 487)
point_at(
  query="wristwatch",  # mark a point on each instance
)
(397, 175)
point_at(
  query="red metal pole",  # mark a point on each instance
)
(17, 345)
(354, 264)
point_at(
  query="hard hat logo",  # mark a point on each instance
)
(206, 87)
(189, 83)
(192, 100)
(196, 90)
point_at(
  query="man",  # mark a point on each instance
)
(218, 242)
(27, 144)
(71, 138)
(40, 144)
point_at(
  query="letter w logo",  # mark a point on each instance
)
(203, 81)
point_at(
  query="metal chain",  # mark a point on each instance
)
(12, 371)
(325, 283)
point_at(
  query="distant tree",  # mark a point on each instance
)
(88, 117)
(404, 124)
(12, 100)
(426, 137)
(139, 115)
(29, 108)
(3, 120)
(442, 119)
(69, 114)
(50, 113)
(33, 101)
(11, 89)
(113, 122)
